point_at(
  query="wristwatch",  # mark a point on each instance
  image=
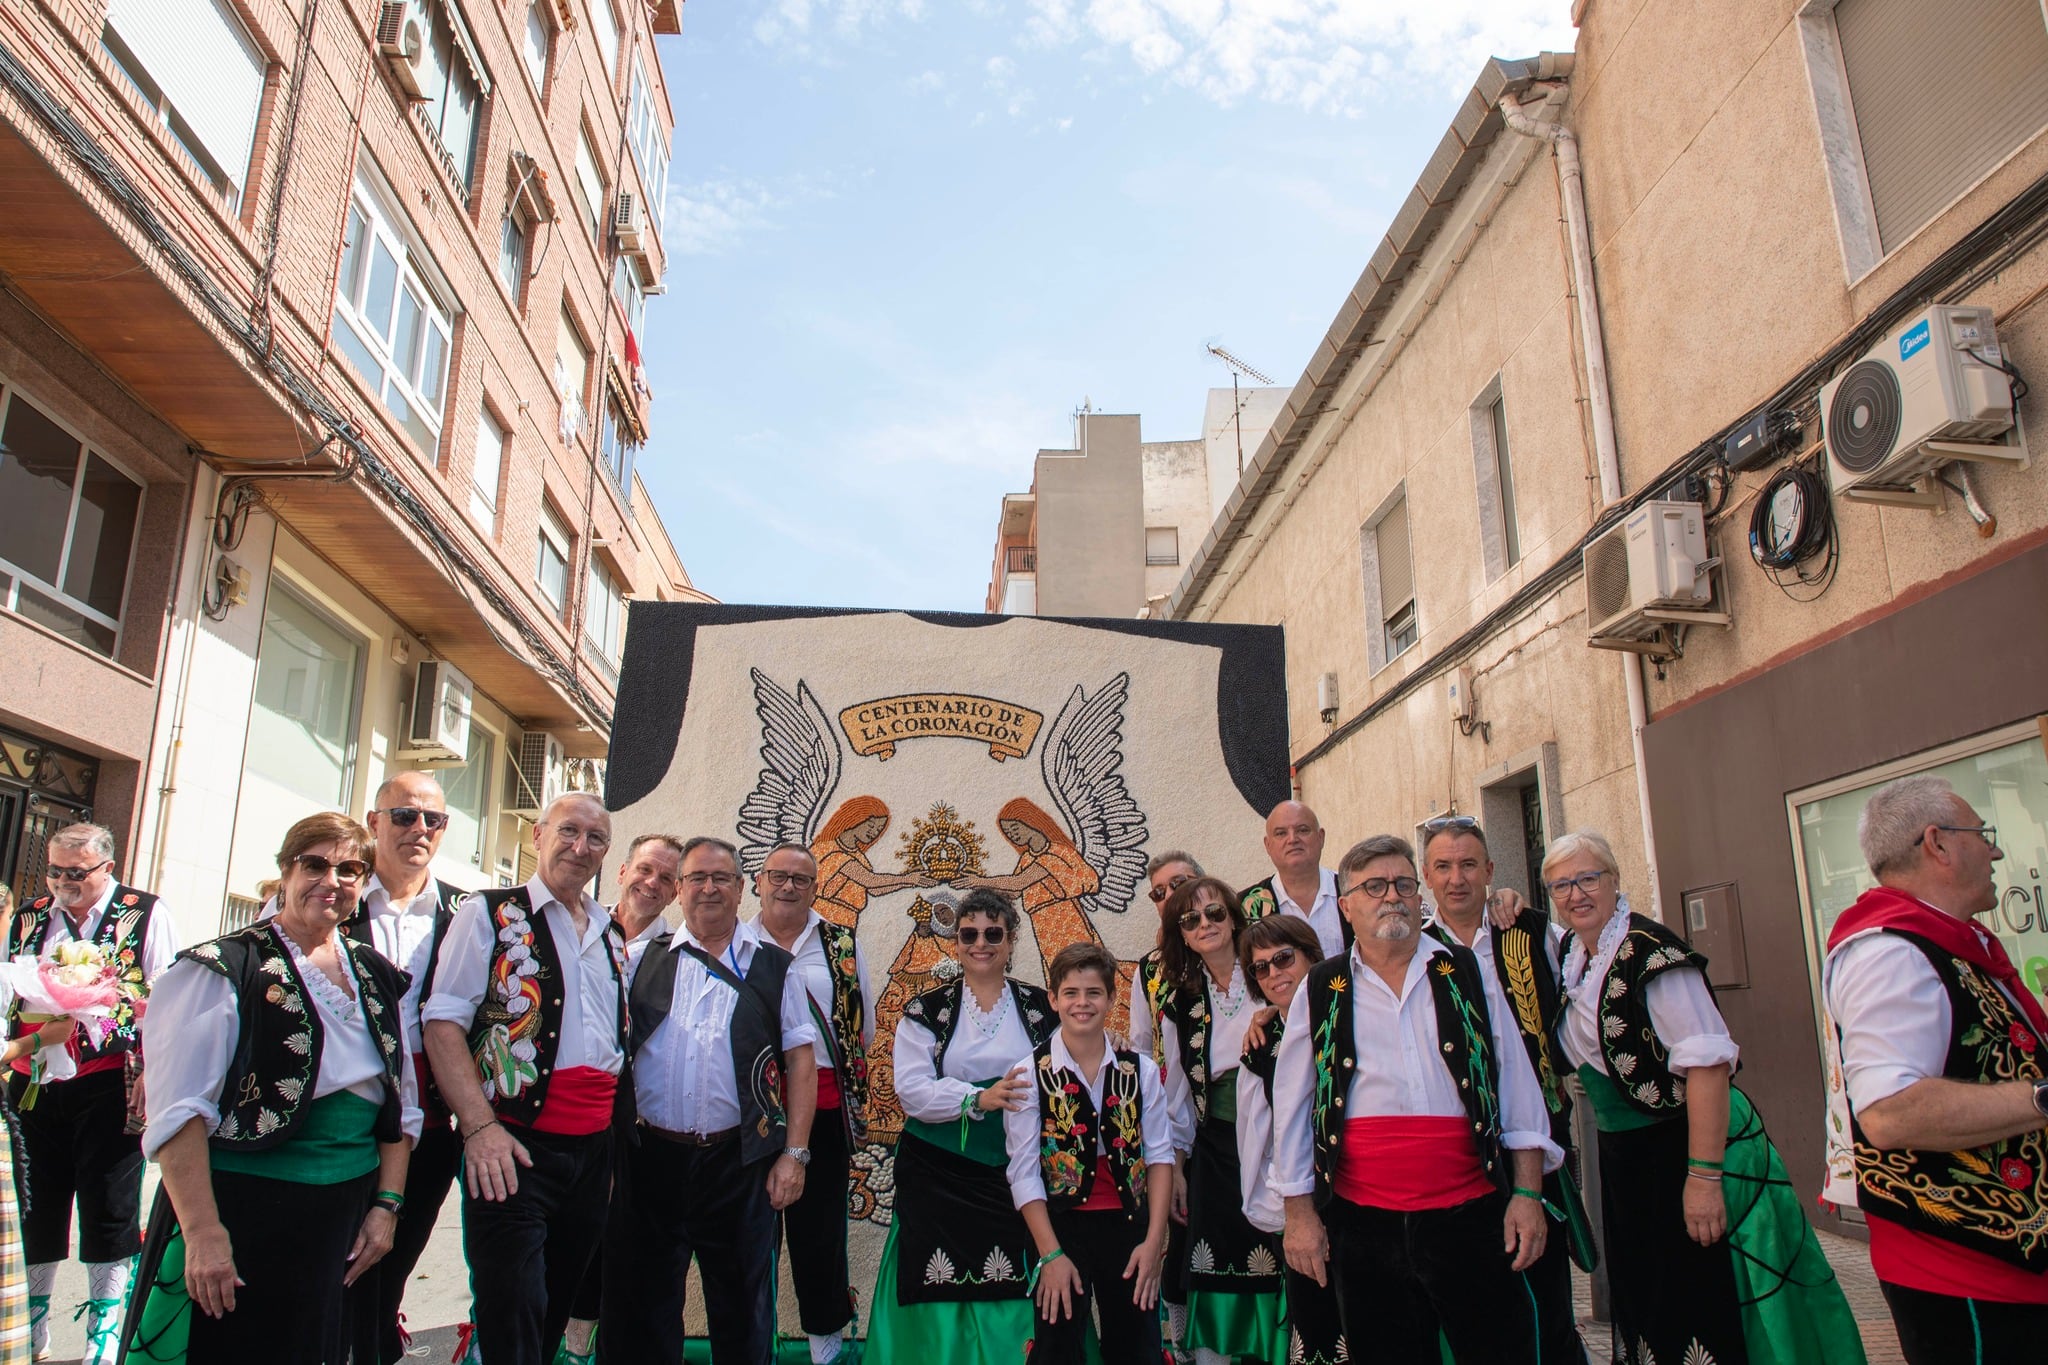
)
(2041, 1097)
(800, 1155)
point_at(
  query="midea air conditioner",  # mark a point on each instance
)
(536, 777)
(403, 42)
(440, 714)
(626, 222)
(1655, 560)
(1935, 380)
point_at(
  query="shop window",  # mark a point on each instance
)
(196, 67)
(302, 728)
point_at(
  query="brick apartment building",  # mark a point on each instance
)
(319, 362)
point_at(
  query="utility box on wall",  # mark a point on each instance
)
(1713, 926)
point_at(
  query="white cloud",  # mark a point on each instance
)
(799, 25)
(711, 217)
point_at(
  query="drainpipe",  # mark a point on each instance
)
(1600, 399)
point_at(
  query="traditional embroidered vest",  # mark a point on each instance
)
(1067, 1139)
(1261, 1060)
(755, 1035)
(1194, 1017)
(938, 1009)
(357, 928)
(1530, 982)
(1463, 1029)
(276, 1062)
(1153, 986)
(842, 1031)
(1992, 1199)
(1636, 1058)
(1261, 900)
(122, 930)
(518, 1027)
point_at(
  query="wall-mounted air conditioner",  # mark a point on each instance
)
(1929, 393)
(1655, 561)
(439, 726)
(536, 774)
(629, 223)
(402, 41)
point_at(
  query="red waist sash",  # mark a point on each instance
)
(1407, 1164)
(110, 1061)
(828, 1088)
(579, 1102)
(1102, 1194)
(1919, 1260)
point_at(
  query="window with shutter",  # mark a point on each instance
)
(1162, 545)
(197, 67)
(1396, 579)
(589, 186)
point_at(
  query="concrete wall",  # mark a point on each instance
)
(1233, 424)
(1176, 483)
(1091, 528)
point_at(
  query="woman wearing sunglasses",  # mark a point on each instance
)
(1233, 1268)
(953, 1281)
(1275, 954)
(1707, 1251)
(282, 1109)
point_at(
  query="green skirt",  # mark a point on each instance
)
(996, 1332)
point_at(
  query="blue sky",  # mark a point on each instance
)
(907, 238)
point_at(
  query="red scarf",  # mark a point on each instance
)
(1883, 908)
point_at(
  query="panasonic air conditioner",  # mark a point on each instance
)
(403, 42)
(1654, 561)
(627, 224)
(1929, 393)
(440, 714)
(536, 774)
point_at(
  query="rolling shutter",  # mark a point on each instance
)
(208, 68)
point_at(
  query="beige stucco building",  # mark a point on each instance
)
(1707, 215)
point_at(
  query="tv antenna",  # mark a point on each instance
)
(1237, 367)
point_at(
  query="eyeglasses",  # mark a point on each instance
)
(1281, 960)
(1377, 887)
(1586, 883)
(722, 880)
(1173, 884)
(348, 871)
(72, 874)
(802, 881)
(405, 817)
(1988, 833)
(992, 936)
(596, 840)
(1444, 822)
(1191, 920)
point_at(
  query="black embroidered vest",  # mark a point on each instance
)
(1464, 1031)
(121, 932)
(276, 1062)
(938, 1009)
(357, 927)
(1194, 1019)
(842, 1031)
(1260, 1060)
(1152, 987)
(1991, 1199)
(1529, 980)
(755, 1035)
(518, 1028)
(1636, 1057)
(1067, 1131)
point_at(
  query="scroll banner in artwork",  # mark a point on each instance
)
(875, 728)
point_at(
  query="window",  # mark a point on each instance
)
(536, 44)
(196, 66)
(589, 187)
(617, 447)
(308, 686)
(604, 614)
(1937, 103)
(643, 131)
(468, 791)
(552, 569)
(513, 235)
(484, 470)
(454, 84)
(1389, 582)
(1500, 538)
(389, 321)
(1162, 545)
(632, 298)
(67, 527)
(572, 377)
(604, 26)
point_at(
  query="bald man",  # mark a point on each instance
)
(1300, 885)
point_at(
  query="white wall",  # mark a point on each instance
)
(1220, 434)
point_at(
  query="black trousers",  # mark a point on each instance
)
(671, 1203)
(76, 1151)
(1099, 1243)
(1403, 1277)
(1937, 1329)
(815, 1229)
(1550, 1280)
(435, 1160)
(527, 1253)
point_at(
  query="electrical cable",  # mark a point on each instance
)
(1815, 535)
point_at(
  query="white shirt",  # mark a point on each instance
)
(985, 1046)
(1400, 1071)
(403, 931)
(636, 946)
(590, 994)
(159, 940)
(1263, 1207)
(193, 1024)
(1324, 917)
(1497, 1002)
(1021, 1126)
(682, 1076)
(814, 969)
(1231, 1011)
(1681, 1008)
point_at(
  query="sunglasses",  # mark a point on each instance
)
(970, 936)
(72, 874)
(347, 871)
(1192, 919)
(1281, 960)
(405, 817)
(1160, 893)
(1444, 822)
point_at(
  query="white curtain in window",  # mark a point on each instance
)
(209, 69)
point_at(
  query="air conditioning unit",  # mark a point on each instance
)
(1932, 384)
(1654, 561)
(537, 774)
(627, 224)
(402, 40)
(440, 714)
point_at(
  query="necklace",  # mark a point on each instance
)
(337, 1000)
(1232, 999)
(993, 1017)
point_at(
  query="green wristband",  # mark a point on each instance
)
(1031, 1280)
(1536, 1195)
(1699, 1165)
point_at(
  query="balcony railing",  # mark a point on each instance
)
(1021, 559)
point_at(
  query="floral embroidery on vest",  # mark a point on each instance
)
(505, 1053)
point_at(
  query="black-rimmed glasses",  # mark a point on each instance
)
(1586, 883)
(1377, 887)
(1988, 833)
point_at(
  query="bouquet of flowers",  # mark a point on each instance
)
(82, 980)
